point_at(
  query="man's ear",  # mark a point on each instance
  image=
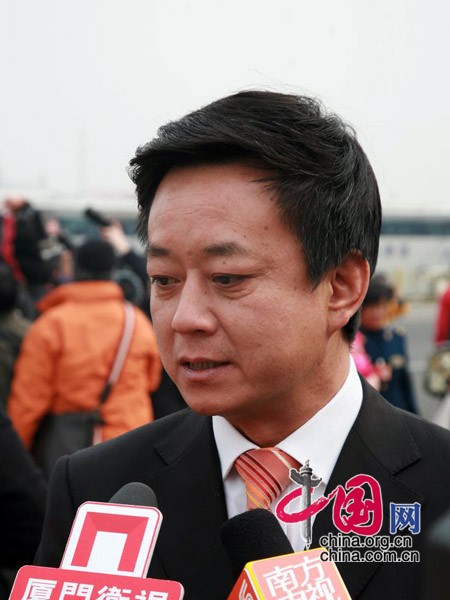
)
(349, 282)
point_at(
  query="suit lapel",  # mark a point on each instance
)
(190, 492)
(379, 444)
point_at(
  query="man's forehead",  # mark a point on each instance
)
(213, 211)
(190, 181)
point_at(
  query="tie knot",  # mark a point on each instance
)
(265, 472)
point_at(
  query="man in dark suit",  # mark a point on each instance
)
(262, 217)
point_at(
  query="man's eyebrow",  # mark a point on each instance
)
(222, 249)
(225, 249)
(156, 251)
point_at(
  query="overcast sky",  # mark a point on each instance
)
(84, 82)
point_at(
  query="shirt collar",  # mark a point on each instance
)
(320, 439)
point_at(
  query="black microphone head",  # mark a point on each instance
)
(436, 583)
(136, 494)
(96, 217)
(253, 535)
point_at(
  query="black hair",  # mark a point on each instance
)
(326, 190)
(380, 289)
(95, 259)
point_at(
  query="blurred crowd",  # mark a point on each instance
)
(61, 320)
(62, 316)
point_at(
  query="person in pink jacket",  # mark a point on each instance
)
(363, 363)
(69, 350)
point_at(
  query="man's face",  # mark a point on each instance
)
(239, 327)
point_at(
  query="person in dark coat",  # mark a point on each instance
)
(13, 327)
(386, 345)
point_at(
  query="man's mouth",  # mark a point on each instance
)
(203, 365)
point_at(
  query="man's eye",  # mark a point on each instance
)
(228, 280)
(161, 280)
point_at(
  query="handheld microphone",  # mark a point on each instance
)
(135, 493)
(253, 535)
(109, 547)
(267, 567)
(436, 582)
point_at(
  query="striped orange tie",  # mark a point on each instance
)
(265, 472)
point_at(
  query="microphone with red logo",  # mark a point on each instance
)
(267, 567)
(107, 554)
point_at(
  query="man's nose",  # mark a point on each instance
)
(194, 310)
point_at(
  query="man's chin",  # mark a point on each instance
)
(210, 406)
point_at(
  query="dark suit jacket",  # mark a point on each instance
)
(177, 457)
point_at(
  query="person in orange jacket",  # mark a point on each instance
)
(68, 352)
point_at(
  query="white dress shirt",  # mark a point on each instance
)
(319, 440)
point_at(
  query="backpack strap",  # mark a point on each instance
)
(122, 351)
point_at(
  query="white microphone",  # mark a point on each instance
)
(110, 547)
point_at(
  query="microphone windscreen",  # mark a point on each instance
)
(253, 535)
(436, 583)
(136, 494)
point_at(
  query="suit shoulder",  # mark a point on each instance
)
(399, 430)
(151, 433)
(428, 434)
(138, 442)
(138, 455)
